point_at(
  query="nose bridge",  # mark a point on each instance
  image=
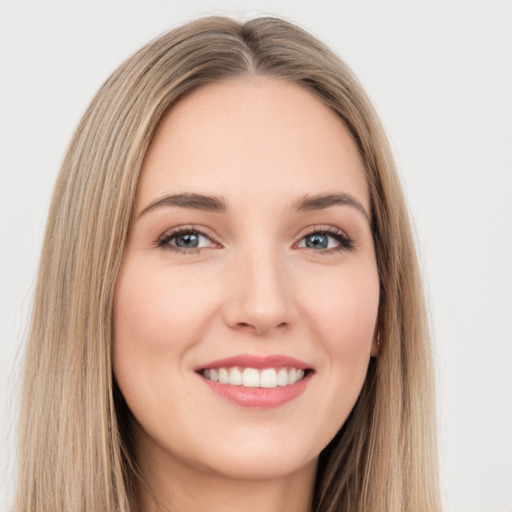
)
(260, 298)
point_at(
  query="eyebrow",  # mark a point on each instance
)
(322, 201)
(219, 205)
(189, 200)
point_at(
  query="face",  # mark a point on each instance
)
(247, 299)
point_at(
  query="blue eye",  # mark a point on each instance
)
(184, 239)
(317, 241)
(326, 241)
(187, 241)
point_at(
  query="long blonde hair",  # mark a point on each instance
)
(75, 448)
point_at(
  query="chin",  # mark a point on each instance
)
(261, 468)
(258, 460)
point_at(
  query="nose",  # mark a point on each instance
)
(259, 295)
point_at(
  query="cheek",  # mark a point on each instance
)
(156, 311)
(157, 318)
(342, 312)
(346, 308)
(344, 316)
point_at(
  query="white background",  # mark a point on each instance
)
(440, 75)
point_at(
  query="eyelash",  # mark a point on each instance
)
(165, 239)
(345, 242)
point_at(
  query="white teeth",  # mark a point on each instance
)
(268, 378)
(223, 376)
(235, 377)
(253, 378)
(282, 377)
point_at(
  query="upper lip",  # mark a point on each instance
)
(257, 362)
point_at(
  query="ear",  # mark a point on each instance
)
(375, 349)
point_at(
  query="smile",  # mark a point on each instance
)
(253, 377)
(256, 381)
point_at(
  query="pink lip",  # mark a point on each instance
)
(261, 398)
(258, 362)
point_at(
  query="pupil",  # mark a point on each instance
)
(317, 241)
(188, 240)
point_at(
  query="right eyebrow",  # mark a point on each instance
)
(322, 201)
(189, 200)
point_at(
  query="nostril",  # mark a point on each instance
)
(260, 326)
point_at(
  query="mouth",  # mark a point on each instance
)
(254, 377)
(253, 381)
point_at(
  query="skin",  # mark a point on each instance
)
(254, 287)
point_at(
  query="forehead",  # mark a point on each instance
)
(246, 137)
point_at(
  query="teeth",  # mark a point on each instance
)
(235, 377)
(223, 376)
(282, 377)
(268, 378)
(253, 378)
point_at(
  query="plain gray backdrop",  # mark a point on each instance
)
(440, 76)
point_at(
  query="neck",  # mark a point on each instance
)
(175, 486)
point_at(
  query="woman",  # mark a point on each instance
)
(229, 312)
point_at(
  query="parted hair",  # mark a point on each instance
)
(75, 448)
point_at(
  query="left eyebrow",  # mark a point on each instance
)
(322, 201)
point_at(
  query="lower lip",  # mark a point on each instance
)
(262, 398)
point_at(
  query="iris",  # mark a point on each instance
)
(317, 240)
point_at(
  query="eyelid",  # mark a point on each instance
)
(346, 243)
(163, 240)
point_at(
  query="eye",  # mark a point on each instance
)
(185, 239)
(326, 240)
